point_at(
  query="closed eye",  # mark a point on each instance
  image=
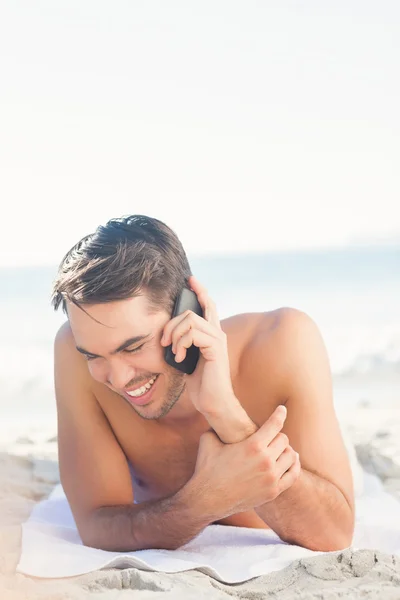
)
(90, 357)
(134, 349)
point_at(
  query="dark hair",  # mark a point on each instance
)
(127, 257)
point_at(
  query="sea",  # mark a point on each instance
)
(353, 295)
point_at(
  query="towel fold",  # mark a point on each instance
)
(52, 548)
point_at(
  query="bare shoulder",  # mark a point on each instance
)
(93, 468)
(66, 357)
(276, 334)
(64, 339)
(64, 349)
(251, 332)
(265, 345)
(63, 334)
(239, 329)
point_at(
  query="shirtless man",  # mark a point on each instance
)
(251, 438)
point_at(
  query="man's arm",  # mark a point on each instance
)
(95, 474)
(317, 511)
(167, 523)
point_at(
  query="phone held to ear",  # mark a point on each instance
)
(187, 300)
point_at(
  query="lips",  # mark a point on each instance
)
(144, 398)
(146, 385)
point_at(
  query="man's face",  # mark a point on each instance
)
(105, 334)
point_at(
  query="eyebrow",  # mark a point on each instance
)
(126, 344)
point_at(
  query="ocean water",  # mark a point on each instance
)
(352, 294)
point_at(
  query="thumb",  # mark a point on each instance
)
(272, 426)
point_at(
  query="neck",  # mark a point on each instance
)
(183, 413)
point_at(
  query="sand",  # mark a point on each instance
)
(28, 472)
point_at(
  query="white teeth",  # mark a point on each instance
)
(140, 391)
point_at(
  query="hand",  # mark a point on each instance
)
(239, 477)
(209, 387)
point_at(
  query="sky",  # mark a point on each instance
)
(245, 126)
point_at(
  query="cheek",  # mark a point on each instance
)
(149, 359)
(97, 371)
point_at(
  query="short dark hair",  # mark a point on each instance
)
(128, 256)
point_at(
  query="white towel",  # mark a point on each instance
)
(52, 548)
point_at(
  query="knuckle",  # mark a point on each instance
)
(192, 319)
(186, 335)
(255, 446)
(267, 462)
(186, 342)
(289, 451)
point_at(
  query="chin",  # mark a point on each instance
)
(152, 411)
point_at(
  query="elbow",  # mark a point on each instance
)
(343, 538)
(334, 544)
(339, 536)
(331, 540)
(91, 543)
(89, 538)
(335, 541)
(325, 544)
(107, 545)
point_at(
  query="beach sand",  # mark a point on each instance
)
(29, 471)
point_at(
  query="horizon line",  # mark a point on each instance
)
(362, 245)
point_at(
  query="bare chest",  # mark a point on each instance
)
(162, 471)
(160, 461)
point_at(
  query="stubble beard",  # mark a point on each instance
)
(175, 389)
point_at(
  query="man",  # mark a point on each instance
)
(149, 456)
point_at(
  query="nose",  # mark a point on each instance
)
(119, 375)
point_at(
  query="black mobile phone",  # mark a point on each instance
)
(187, 300)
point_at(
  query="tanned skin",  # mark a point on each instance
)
(250, 439)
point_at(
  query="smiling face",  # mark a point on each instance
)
(121, 342)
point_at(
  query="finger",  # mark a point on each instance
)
(169, 327)
(209, 346)
(180, 325)
(278, 445)
(271, 427)
(286, 460)
(178, 321)
(290, 477)
(206, 303)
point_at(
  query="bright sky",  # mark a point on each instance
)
(244, 125)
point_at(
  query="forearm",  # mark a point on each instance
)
(167, 523)
(312, 513)
(232, 424)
